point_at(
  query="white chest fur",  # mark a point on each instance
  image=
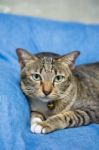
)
(39, 106)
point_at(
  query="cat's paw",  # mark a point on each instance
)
(36, 128)
(34, 122)
(41, 127)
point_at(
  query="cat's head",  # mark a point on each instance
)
(46, 76)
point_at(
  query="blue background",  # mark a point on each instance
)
(38, 35)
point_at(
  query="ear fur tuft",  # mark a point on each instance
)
(24, 56)
(69, 58)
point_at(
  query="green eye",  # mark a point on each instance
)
(59, 78)
(36, 77)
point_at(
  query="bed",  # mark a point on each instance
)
(36, 35)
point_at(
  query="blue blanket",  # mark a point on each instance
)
(40, 35)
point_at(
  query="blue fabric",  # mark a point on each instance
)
(40, 35)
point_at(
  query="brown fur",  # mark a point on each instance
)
(71, 102)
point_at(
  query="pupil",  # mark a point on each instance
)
(36, 76)
(58, 77)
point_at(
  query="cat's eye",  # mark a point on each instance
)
(59, 78)
(36, 77)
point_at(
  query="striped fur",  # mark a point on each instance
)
(72, 102)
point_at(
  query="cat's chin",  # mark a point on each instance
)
(45, 99)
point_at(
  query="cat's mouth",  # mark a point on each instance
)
(45, 99)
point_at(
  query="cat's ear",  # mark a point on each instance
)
(70, 58)
(24, 56)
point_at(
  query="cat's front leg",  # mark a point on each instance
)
(65, 120)
(36, 118)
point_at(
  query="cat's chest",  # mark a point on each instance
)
(39, 106)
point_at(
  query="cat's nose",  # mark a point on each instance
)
(47, 88)
(46, 92)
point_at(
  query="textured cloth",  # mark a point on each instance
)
(38, 35)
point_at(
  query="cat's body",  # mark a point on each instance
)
(87, 96)
(62, 96)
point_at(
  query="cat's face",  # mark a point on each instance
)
(46, 78)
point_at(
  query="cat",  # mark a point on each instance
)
(60, 94)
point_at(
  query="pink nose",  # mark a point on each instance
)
(46, 92)
(47, 88)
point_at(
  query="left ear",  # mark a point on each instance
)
(69, 58)
(24, 56)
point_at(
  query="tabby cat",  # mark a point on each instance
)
(60, 94)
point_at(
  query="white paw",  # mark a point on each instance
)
(44, 130)
(35, 120)
(35, 128)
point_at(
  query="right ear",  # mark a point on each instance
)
(24, 56)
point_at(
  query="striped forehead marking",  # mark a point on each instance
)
(48, 63)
